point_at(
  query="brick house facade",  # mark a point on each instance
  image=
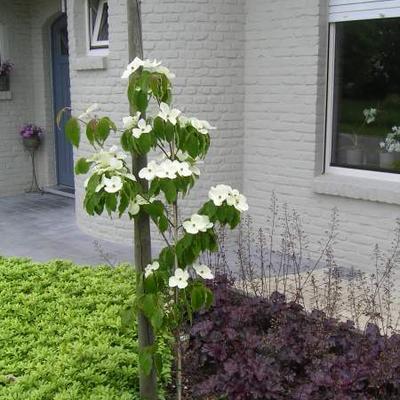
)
(256, 69)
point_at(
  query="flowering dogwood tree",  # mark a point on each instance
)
(173, 285)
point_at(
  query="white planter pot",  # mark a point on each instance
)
(386, 160)
(354, 156)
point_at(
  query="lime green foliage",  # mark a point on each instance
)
(61, 335)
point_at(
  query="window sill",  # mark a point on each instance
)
(359, 187)
(90, 63)
(6, 95)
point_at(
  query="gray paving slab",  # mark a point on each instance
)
(43, 227)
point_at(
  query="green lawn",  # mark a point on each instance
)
(352, 116)
(61, 335)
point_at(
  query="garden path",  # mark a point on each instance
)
(43, 227)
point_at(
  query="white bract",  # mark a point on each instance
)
(149, 172)
(182, 168)
(165, 71)
(203, 271)
(201, 126)
(370, 115)
(113, 184)
(137, 63)
(392, 141)
(142, 127)
(150, 268)
(88, 114)
(131, 121)
(111, 160)
(167, 169)
(220, 193)
(168, 114)
(197, 223)
(237, 200)
(179, 279)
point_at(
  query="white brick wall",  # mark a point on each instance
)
(27, 29)
(14, 163)
(285, 48)
(203, 43)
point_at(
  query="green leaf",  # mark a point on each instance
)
(111, 202)
(82, 166)
(158, 363)
(192, 145)
(197, 298)
(159, 127)
(145, 361)
(73, 131)
(91, 131)
(126, 142)
(169, 189)
(141, 101)
(128, 318)
(209, 298)
(103, 130)
(163, 223)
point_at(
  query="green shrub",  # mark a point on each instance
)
(60, 332)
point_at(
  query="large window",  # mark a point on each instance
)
(98, 24)
(364, 93)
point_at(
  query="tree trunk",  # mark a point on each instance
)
(142, 238)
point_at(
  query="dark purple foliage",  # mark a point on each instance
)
(251, 348)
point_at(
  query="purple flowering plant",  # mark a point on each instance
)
(6, 67)
(31, 131)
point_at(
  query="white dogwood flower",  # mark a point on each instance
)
(168, 114)
(149, 172)
(167, 169)
(179, 279)
(137, 63)
(165, 71)
(370, 115)
(203, 271)
(150, 268)
(88, 114)
(131, 121)
(197, 223)
(201, 126)
(182, 168)
(218, 194)
(113, 184)
(237, 200)
(142, 127)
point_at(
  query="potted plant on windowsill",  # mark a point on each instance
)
(355, 154)
(5, 70)
(390, 149)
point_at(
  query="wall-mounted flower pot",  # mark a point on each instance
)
(386, 160)
(4, 83)
(31, 143)
(354, 156)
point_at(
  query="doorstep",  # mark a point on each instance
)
(60, 190)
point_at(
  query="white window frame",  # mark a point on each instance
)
(346, 171)
(95, 45)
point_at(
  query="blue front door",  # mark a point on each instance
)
(62, 98)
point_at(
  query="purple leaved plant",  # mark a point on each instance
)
(29, 131)
(248, 348)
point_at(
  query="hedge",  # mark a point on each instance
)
(61, 336)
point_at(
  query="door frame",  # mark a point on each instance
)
(61, 18)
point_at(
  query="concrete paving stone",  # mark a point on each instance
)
(43, 227)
